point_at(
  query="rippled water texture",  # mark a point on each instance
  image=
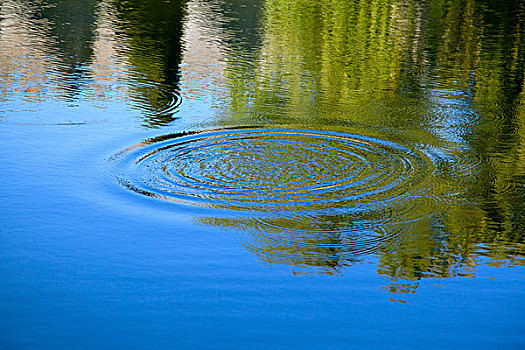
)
(262, 174)
(305, 189)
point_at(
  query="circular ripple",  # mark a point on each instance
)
(158, 103)
(305, 191)
(278, 169)
(174, 101)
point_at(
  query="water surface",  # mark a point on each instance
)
(262, 173)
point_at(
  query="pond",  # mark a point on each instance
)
(231, 174)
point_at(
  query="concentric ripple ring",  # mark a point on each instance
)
(272, 169)
(294, 186)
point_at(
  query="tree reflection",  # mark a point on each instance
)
(154, 29)
(55, 39)
(71, 28)
(446, 74)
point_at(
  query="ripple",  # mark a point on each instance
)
(277, 169)
(158, 103)
(37, 106)
(172, 102)
(296, 189)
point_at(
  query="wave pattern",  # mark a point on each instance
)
(302, 194)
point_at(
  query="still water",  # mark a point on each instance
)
(232, 174)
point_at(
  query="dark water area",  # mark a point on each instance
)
(262, 174)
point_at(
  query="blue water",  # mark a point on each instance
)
(286, 197)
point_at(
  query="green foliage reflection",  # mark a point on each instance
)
(445, 75)
(154, 29)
